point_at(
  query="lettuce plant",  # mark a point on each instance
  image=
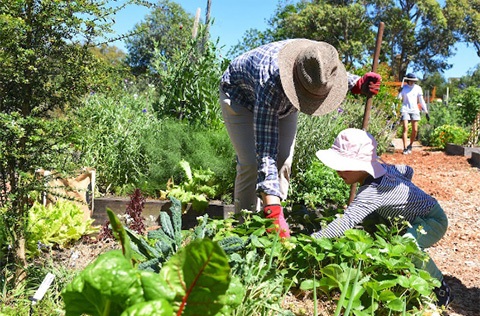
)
(56, 224)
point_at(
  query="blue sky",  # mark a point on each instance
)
(232, 18)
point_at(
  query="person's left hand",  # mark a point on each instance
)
(428, 117)
(367, 85)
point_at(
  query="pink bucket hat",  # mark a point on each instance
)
(353, 150)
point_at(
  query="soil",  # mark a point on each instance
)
(454, 182)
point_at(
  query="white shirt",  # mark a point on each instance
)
(411, 97)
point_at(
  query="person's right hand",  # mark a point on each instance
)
(275, 212)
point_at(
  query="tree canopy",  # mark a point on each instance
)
(419, 35)
(167, 28)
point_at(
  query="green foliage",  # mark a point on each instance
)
(112, 71)
(195, 279)
(46, 64)
(59, 224)
(14, 299)
(167, 28)
(109, 138)
(374, 273)
(315, 133)
(188, 85)
(162, 243)
(47, 69)
(130, 147)
(320, 185)
(440, 115)
(351, 27)
(445, 134)
(203, 148)
(197, 188)
(468, 102)
(27, 144)
(314, 21)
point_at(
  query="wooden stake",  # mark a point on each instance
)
(368, 104)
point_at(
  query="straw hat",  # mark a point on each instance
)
(312, 76)
(353, 150)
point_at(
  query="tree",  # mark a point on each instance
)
(112, 70)
(418, 34)
(47, 68)
(167, 29)
(350, 31)
(463, 16)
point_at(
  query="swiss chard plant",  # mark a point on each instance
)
(196, 280)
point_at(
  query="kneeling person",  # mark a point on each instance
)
(388, 191)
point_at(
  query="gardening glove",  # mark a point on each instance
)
(367, 85)
(428, 117)
(275, 212)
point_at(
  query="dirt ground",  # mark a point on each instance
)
(455, 184)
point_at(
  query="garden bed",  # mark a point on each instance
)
(460, 150)
(152, 209)
(451, 179)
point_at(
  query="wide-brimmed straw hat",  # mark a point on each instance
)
(353, 150)
(312, 75)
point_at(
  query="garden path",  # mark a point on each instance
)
(454, 182)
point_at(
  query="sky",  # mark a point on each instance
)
(232, 18)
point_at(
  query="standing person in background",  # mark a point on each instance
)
(411, 96)
(261, 93)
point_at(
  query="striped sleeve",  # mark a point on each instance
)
(366, 202)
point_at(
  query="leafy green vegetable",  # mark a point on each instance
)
(110, 285)
(56, 224)
(195, 281)
(199, 274)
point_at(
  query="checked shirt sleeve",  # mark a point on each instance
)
(266, 121)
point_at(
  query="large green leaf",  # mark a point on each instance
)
(110, 285)
(151, 308)
(199, 274)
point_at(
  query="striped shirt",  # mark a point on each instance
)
(391, 196)
(253, 80)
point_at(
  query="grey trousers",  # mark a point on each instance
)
(240, 127)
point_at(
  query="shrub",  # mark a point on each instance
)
(468, 103)
(320, 185)
(201, 147)
(440, 114)
(445, 134)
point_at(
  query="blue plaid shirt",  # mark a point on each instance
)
(253, 81)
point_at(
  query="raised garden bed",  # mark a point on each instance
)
(152, 208)
(460, 150)
(475, 160)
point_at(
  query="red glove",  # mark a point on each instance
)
(367, 85)
(275, 211)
